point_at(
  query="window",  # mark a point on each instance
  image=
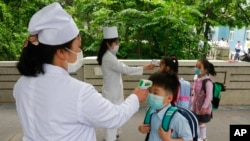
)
(231, 36)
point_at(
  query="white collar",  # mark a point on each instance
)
(48, 68)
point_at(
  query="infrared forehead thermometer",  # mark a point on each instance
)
(145, 84)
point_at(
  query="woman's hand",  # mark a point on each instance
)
(149, 67)
(142, 94)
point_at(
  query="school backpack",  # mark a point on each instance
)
(191, 118)
(184, 95)
(217, 89)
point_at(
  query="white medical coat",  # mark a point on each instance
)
(58, 107)
(112, 69)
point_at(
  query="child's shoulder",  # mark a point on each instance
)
(178, 116)
(182, 80)
(179, 122)
(201, 79)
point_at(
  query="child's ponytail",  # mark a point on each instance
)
(211, 69)
(172, 63)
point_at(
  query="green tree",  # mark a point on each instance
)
(148, 29)
(14, 18)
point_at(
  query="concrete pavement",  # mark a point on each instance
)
(217, 129)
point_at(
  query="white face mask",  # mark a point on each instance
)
(115, 49)
(73, 67)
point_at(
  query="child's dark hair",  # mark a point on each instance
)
(103, 48)
(33, 57)
(166, 80)
(172, 63)
(209, 66)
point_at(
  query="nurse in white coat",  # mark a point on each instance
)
(52, 105)
(112, 69)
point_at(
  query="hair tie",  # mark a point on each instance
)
(32, 39)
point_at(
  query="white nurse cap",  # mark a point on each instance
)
(53, 25)
(110, 32)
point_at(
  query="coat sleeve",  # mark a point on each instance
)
(114, 64)
(96, 111)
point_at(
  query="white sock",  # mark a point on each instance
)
(203, 131)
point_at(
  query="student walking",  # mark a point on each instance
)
(238, 48)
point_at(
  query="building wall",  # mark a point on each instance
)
(239, 35)
(224, 32)
(236, 77)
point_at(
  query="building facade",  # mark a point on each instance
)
(231, 35)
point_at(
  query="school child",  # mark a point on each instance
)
(201, 101)
(182, 98)
(161, 94)
(238, 48)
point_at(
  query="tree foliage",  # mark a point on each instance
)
(147, 28)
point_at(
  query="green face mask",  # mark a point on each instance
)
(197, 71)
(155, 101)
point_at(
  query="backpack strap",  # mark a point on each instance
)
(168, 117)
(147, 119)
(204, 82)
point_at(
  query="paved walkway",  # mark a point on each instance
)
(217, 129)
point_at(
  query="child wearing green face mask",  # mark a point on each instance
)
(159, 100)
